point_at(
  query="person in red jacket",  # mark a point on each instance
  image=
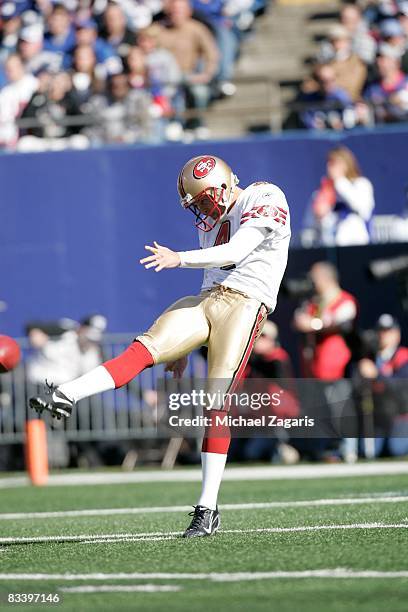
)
(324, 321)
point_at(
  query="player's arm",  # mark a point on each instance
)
(238, 248)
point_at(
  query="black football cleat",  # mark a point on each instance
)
(57, 409)
(205, 522)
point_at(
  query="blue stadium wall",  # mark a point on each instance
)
(73, 225)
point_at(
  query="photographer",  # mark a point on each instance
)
(323, 321)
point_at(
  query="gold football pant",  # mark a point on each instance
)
(226, 320)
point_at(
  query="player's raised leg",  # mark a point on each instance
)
(180, 329)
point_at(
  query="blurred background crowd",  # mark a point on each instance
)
(79, 73)
(359, 75)
(84, 72)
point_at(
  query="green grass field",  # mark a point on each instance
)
(347, 526)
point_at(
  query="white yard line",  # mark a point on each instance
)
(261, 530)
(280, 472)
(112, 588)
(133, 537)
(213, 576)
(341, 501)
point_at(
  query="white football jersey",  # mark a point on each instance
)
(259, 275)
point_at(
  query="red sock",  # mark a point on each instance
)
(217, 437)
(129, 364)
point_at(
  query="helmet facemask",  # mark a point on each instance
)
(208, 207)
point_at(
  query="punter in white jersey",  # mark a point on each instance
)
(244, 247)
(255, 233)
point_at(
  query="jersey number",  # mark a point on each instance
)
(223, 237)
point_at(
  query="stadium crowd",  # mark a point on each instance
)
(359, 76)
(84, 72)
(79, 73)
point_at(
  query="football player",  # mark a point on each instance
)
(244, 237)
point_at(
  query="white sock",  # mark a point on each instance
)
(95, 381)
(212, 465)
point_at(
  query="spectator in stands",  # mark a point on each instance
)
(391, 360)
(89, 334)
(115, 30)
(196, 52)
(123, 115)
(344, 204)
(84, 76)
(13, 99)
(325, 101)
(394, 34)
(50, 108)
(212, 13)
(162, 64)
(268, 359)
(10, 27)
(403, 19)
(139, 13)
(389, 370)
(106, 58)
(389, 94)
(349, 70)
(64, 348)
(270, 368)
(60, 35)
(31, 48)
(164, 69)
(140, 78)
(362, 43)
(378, 10)
(324, 321)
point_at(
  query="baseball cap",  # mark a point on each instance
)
(96, 325)
(390, 28)
(387, 50)
(88, 24)
(387, 321)
(338, 32)
(32, 33)
(270, 330)
(9, 10)
(403, 8)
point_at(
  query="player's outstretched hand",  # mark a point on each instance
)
(177, 367)
(161, 259)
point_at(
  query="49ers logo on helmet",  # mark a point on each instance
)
(203, 167)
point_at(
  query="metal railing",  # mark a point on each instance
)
(127, 413)
(270, 105)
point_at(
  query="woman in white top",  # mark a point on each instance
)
(344, 204)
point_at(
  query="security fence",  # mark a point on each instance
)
(347, 409)
(127, 413)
